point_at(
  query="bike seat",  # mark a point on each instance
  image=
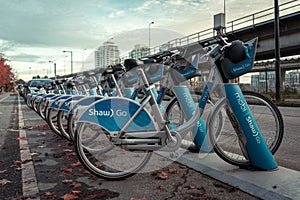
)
(114, 69)
(70, 84)
(58, 82)
(89, 73)
(132, 63)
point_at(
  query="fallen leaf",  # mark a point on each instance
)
(75, 185)
(3, 171)
(34, 154)
(162, 175)
(76, 164)
(19, 168)
(68, 150)
(43, 133)
(190, 187)
(70, 196)
(68, 169)
(17, 162)
(49, 194)
(76, 192)
(1, 164)
(21, 138)
(183, 166)
(67, 181)
(173, 171)
(26, 161)
(4, 181)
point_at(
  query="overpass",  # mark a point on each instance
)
(259, 24)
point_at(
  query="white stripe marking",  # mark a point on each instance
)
(29, 181)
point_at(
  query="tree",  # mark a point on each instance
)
(6, 75)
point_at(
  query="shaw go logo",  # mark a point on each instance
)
(107, 113)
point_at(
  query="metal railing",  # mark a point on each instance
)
(249, 20)
(263, 15)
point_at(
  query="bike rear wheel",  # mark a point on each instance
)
(226, 142)
(98, 155)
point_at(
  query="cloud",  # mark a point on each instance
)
(119, 13)
(6, 45)
(146, 6)
(26, 58)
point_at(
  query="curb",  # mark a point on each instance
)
(278, 184)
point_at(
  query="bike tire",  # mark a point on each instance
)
(71, 130)
(110, 161)
(41, 110)
(62, 124)
(52, 121)
(268, 119)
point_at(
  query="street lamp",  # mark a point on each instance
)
(149, 33)
(50, 61)
(71, 59)
(82, 59)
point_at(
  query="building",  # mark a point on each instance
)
(266, 81)
(107, 54)
(139, 51)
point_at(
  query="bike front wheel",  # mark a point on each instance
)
(226, 141)
(100, 156)
(62, 123)
(52, 121)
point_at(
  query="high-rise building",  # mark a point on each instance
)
(107, 54)
(139, 51)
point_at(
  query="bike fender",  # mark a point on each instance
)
(65, 106)
(55, 104)
(114, 112)
(86, 101)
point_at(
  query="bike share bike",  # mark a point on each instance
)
(128, 131)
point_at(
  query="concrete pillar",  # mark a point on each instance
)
(282, 74)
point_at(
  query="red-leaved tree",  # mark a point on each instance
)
(6, 75)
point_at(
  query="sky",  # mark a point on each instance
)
(34, 32)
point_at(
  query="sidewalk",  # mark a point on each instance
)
(279, 184)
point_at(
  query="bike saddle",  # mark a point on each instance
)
(113, 69)
(70, 84)
(58, 82)
(132, 63)
(80, 81)
(89, 73)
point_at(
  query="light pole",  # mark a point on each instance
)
(71, 59)
(54, 64)
(50, 61)
(149, 34)
(54, 70)
(82, 59)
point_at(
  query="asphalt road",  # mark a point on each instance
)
(57, 174)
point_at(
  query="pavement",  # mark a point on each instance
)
(42, 152)
(282, 183)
